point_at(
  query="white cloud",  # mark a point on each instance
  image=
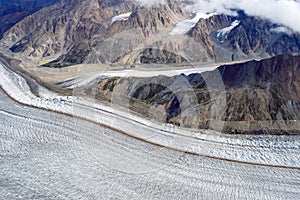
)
(286, 12)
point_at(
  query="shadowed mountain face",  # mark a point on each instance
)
(13, 11)
(122, 32)
(254, 92)
(264, 90)
(257, 38)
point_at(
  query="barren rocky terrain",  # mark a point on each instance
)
(124, 33)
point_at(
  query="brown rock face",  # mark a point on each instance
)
(202, 31)
(61, 27)
(13, 11)
(271, 86)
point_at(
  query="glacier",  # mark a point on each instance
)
(50, 155)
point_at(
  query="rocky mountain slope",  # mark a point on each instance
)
(244, 37)
(60, 27)
(256, 96)
(125, 33)
(13, 11)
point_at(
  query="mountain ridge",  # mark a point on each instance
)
(257, 96)
(74, 32)
(13, 11)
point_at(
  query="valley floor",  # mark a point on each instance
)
(51, 155)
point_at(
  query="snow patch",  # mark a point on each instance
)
(282, 29)
(122, 17)
(222, 33)
(184, 26)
